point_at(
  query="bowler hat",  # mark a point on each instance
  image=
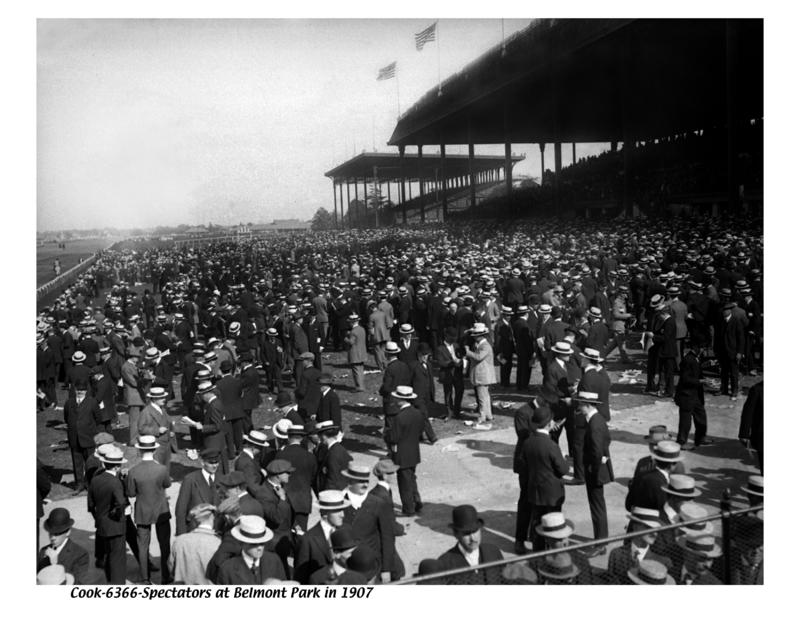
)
(103, 438)
(465, 519)
(657, 430)
(326, 379)
(541, 416)
(343, 538)
(363, 560)
(199, 511)
(226, 366)
(385, 466)
(284, 398)
(58, 521)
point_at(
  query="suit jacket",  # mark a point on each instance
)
(298, 489)
(308, 392)
(105, 392)
(130, 380)
(194, 490)
(481, 366)
(730, 340)
(106, 503)
(646, 492)
(73, 557)
(151, 419)
(191, 553)
(556, 384)
(163, 373)
(277, 512)
(422, 383)
(595, 447)
(450, 368)
(689, 392)
(327, 577)
(514, 291)
(251, 469)
(751, 425)
(523, 427)
(330, 408)
(647, 463)
(397, 373)
(384, 494)
(230, 394)
(597, 337)
(45, 364)
(620, 561)
(146, 482)
(454, 559)
(541, 469)
(250, 379)
(313, 553)
(234, 571)
(213, 425)
(336, 460)
(82, 420)
(379, 326)
(408, 354)
(595, 381)
(373, 525)
(409, 425)
(356, 341)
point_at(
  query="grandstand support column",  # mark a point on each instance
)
(341, 204)
(366, 203)
(557, 183)
(471, 167)
(349, 209)
(403, 183)
(627, 159)
(421, 185)
(541, 159)
(443, 176)
(507, 142)
(573, 153)
(334, 202)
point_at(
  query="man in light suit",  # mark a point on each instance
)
(379, 326)
(356, 343)
(597, 463)
(481, 371)
(198, 487)
(191, 552)
(154, 421)
(146, 482)
(133, 394)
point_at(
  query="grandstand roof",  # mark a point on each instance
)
(583, 80)
(388, 166)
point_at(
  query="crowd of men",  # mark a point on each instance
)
(193, 336)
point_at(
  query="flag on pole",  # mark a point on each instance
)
(387, 72)
(427, 35)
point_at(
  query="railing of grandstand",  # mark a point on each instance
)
(739, 543)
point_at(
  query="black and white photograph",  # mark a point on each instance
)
(347, 303)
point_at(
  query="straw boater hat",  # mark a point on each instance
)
(649, 517)
(594, 312)
(281, 428)
(256, 437)
(592, 355)
(656, 431)
(54, 575)
(392, 348)
(555, 526)
(157, 392)
(112, 456)
(146, 443)
(562, 347)
(325, 426)
(667, 450)
(479, 330)
(688, 513)
(755, 485)
(650, 573)
(406, 329)
(356, 472)
(545, 309)
(252, 530)
(682, 486)
(204, 387)
(588, 397)
(558, 566)
(404, 392)
(701, 545)
(332, 500)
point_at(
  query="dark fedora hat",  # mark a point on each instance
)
(541, 416)
(58, 521)
(465, 519)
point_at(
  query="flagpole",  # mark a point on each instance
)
(439, 56)
(397, 80)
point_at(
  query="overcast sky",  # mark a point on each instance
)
(161, 122)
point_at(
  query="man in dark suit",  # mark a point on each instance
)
(335, 458)
(230, 395)
(61, 549)
(631, 553)
(301, 479)
(469, 550)
(524, 346)
(405, 426)
(647, 463)
(314, 548)
(597, 334)
(690, 399)
(504, 345)
(104, 390)
(212, 427)
(594, 380)
(449, 358)
(729, 345)
(422, 383)
(372, 520)
(751, 425)
(107, 504)
(251, 398)
(277, 509)
(397, 373)
(249, 461)
(329, 405)
(597, 463)
(383, 470)
(82, 416)
(308, 391)
(542, 467)
(646, 489)
(147, 482)
(198, 487)
(255, 564)
(699, 555)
